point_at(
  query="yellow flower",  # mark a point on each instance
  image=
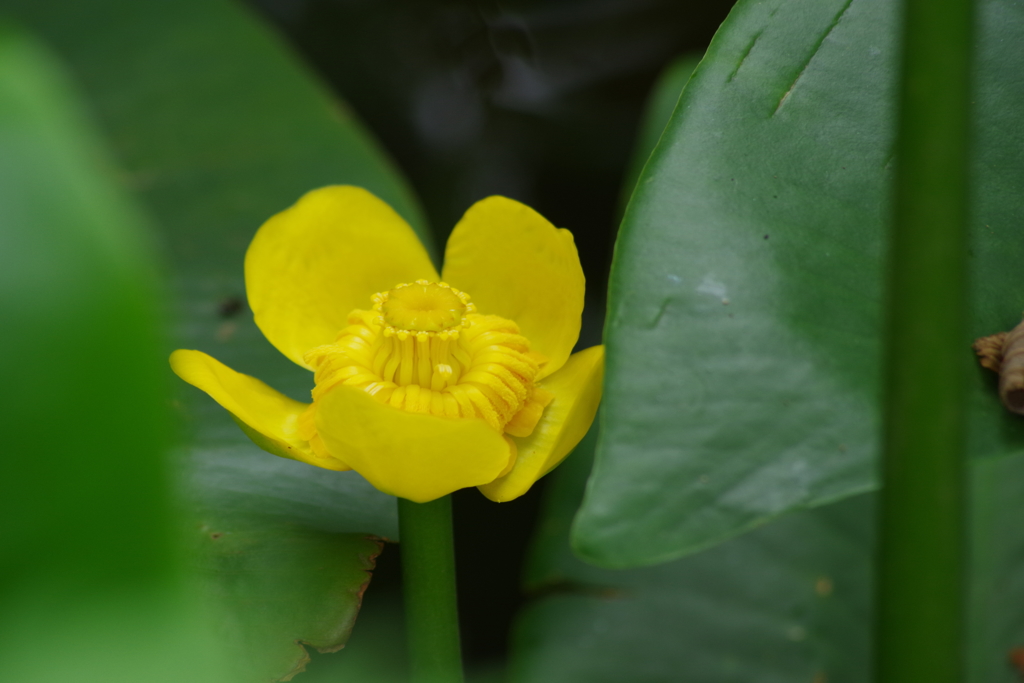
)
(424, 384)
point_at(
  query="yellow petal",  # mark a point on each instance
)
(577, 390)
(310, 265)
(267, 416)
(411, 455)
(517, 265)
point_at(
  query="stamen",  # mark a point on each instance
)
(423, 348)
(424, 366)
(407, 361)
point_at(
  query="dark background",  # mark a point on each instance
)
(538, 100)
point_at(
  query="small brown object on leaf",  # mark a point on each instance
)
(990, 350)
(230, 306)
(1016, 658)
(1004, 353)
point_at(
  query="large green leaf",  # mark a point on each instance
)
(218, 127)
(88, 570)
(791, 601)
(744, 321)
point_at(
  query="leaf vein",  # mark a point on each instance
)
(746, 53)
(810, 58)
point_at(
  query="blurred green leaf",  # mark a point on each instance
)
(744, 322)
(81, 340)
(791, 601)
(89, 580)
(657, 113)
(218, 127)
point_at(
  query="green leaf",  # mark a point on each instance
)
(88, 570)
(292, 576)
(218, 127)
(744, 320)
(791, 601)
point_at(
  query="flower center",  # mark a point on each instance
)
(422, 306)
(424, 349)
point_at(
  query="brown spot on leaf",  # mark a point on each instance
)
(1016, 658)
(230, 306)
(226, 330)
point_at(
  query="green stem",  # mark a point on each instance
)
(922, 545)
(428, 573)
